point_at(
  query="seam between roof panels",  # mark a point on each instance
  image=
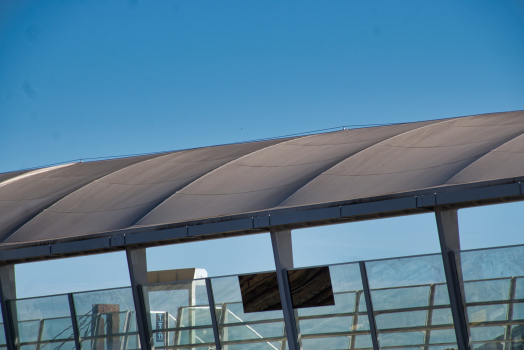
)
(447, 146)
(407, 171)
(227, 194)
(98, 211)
(367, 148)
(12, 234)
(486, 153)
(212, 171)
(284, 166)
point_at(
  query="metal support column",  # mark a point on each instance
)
(369, 305)
(137, 263)
(8, 292)
(283, 252)
(212, 310)
(448, 232)
(74, 320)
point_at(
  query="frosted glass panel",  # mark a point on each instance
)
(411, 302)
(494, 292)
(344, 325)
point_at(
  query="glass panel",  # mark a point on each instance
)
(44, 322)
(339, 326)
(260, 292)
(493, 285)
(411, 302)
(106, 319)
(3, 341)
(244, 331)
(311, 287)
(179, 314)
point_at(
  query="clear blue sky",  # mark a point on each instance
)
(82, 79)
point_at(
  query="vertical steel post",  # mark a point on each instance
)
(429, 316)
(448, 232)
(354, 324)
(283, 253)
(509, 313)
(8, 292)
(369, 305)
(212, 310)
(137, 264)
(72, 310)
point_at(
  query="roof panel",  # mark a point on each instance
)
(417, 159)
(264, 179)
(504, 161)
(87, 198)
(123, 197)
(30, 193)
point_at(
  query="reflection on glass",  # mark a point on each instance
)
(106, 320)
(239, 330)
(179, 315)
(345, 324)
(44, 323)
(411, 303)
(311, 287)
(494, 292)
(260, 292)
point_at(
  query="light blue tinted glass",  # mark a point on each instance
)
(400, 298)
(492, 263)
(179, 314)
(239, 330)
(401, 339)
(111, 343)
(401, 319)
(441, 294)
(405, 271)
(491, 276)
(263, 345)
(443, 336)
(44, 321)
(342, 322)
(487, 290)
(486, 333)
(103, 316)
(3, 341)
(326, 343)
(518, 311)
(442, 316)
(485, 313)
(363, 341)
(519, 288)
(408, 294)
(326, 325)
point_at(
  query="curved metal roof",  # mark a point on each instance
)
(81, 199)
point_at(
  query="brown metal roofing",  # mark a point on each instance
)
(85, 198)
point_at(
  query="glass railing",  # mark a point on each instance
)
(43, 323)
(409, 296)
(179, 315)
(3, 340)
(344, 325)
(494, 291)
(240, 330)
(411, 303)
(106, 320)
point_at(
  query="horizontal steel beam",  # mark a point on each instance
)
(415, 202)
